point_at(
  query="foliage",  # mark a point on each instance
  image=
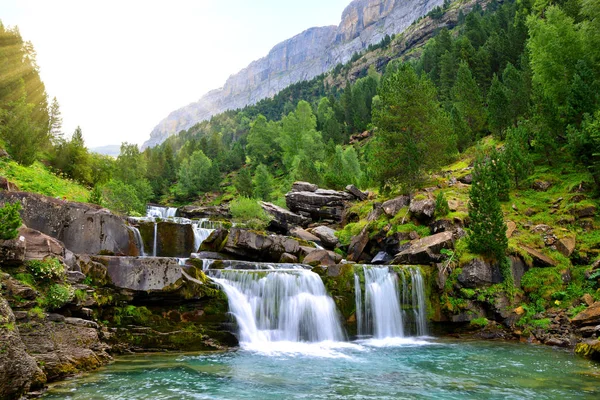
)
(248, 212)
(441, 205)
(197, 175)
(57, 296)
(243, 183)
(10, 221)
(479, 322)
(49, 269)
(263, 183)
(122, 198)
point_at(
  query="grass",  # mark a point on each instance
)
(37, 178)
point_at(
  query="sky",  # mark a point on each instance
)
(118, 67)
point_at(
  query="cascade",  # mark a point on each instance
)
(202, 230)
(391, 308)
(280, 306)
(155, 244)
(139, 242)
(161, 212)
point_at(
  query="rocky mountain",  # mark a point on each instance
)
(311, 53)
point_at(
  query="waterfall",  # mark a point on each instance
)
(161, 212)
(359, 306)
(139, 242)
(394, 304)
(202, 230)
(155, 244)
(280, 306)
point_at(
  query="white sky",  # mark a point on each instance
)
(118, 67)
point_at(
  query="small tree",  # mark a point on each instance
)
(499, 174)
(243, 183)
(487, 230)
(10, 221)
(263, 183)
(441, 205)
(516, 154)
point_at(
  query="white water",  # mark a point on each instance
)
(139, 242)
(155, 242)
(384, 313)
(161, 212)
(202, 230)
(281, 307)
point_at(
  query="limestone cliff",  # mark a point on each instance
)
(311, 53)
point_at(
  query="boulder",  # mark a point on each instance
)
(358, 244)
(215, 241)
(326, 235)
(422, 210)
(210, 255)
(478, 273)
(353, 190)
(173, 239)
(318, 204)
(566, 246)
(12, 252)
(381, 258)
(304, 235)
(82, 228)
(393, 206)
(16, 289)
(443, 225)
(283, 219)
(322, 257)
(7, 185)
(589, 349)
(39, 246)
(197, 212)
(589, 316)
(142, 274)
(287, 258)
(304, 187)
(251, 245)
(539, 258)
(467, 179)
(584, 211)
(19, 372)
(541, 186)
(425, 250)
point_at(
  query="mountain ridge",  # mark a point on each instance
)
(312, 52)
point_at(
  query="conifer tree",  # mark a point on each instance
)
(487, 230)
(467, 99)
(499, 173)
(516, 154)
(263, 183)
(55, 128)
(243, 183)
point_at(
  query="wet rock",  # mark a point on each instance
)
(539, 258)
(566, 246)
(478, 273)
(426, 250)
(353, 190)
(210, 255)
(422, 210)
(82, 228)
(589, 316)
(326, 235)
(358, 244)
(322, 257)
(283, 220)
(173, 240)
(382, 258)
(215, 241)
(393, 206)
(19, 372)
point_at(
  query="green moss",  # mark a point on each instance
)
(479, 322)
(350, 230)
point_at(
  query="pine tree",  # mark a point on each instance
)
(263, 183)
(55, 128)
(467, 99)
(499, 173)
(243, 183)
(516, 154)
(498, 107)
(487, 230)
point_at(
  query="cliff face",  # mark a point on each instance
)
(311, 53)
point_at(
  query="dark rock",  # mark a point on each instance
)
(7, 185)
(216, 241)
(589, 331)
(589, 316)
(12, 252)
(353, 190)
(75, 277)
(358, 244)
(251, 245)
(426, 250)
(304, 187)
(197, 212)
(584, 212)
(443, 225)
(19, 372)
(566, 246)
(381, 258)
(478, 273)
(518, 269)
(55, 317)
(322, 257)
(467, 179)
(287, 258)
(82, 228)
(283, 219)
(393, 206)
(539, 258)
(320, 204)
(16, 289)
(326, 235)
(589, 349)
(304, 235)
(422, 210)
(541, 186)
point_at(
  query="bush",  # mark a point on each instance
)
(57, 296)
(248, 212)
(46, 270)
(10, 221)
(441, 205)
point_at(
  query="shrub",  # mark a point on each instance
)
(441, 205)
(248, 212)
(479, 322)
(57, 296)
(46, 270)
(10, 221)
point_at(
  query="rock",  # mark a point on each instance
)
(443, 225)
(393, 206)
(12, 252)
(7, 185)
(589, 316)
(518, 269)
(584, 212)
(541, 228)
(589, 349)
(82, 228)
(353, 190)
(322, 257)
(587, 299)
(55, 317)
(19, 372)
(422, 210)
(215, 241)
(4, 154)
(304, 187)
(74, 277)
(467, 179)
(251, 245)
(541, 186)
(586, 331)
(304, 251)
(39, 246)
(326, 236)
(287, 258)
(283, 220)
(210, 255)
(16, 289)
(81, 322)
(554, 341)
(478, 273)
(358, 244)
(566, 246)
(320, 204)
(511, 227)
(382, 258)
(539, 258)
(425, 250)
(304, 235)
(196, 212)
